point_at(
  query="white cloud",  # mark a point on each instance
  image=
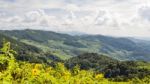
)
(108, 17)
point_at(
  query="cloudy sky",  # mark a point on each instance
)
(107, 17)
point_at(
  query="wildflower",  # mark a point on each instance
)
(35, 72)
(99, 76)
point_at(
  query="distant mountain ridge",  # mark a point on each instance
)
(66, 46)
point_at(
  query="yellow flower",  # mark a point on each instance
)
(35, 72)
(99, 76)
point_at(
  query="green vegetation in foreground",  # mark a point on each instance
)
(18, 72)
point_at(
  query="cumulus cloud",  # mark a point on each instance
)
(108, 17)
(144, 12)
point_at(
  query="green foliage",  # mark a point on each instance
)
(29, 53)
(14, 72)
(112, 69)
(90, 61)
(69, 46)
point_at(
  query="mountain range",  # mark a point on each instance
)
(65, 46)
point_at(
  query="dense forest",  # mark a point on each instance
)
(27, 58)
(89, 68)
(66, 46)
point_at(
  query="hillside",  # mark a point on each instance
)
(118, 70)
(13, 71)
(88, 61)
(66, 46)
(39, 61)
(27, 52)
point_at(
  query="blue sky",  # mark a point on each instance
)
(107, 17)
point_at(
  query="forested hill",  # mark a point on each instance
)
(118, 70)
(27, 52)
(66, 46)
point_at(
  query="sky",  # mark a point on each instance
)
(107, 17)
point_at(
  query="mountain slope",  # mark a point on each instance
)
(110, 67)
(66, 46)
(27, 52)
(90, 60)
